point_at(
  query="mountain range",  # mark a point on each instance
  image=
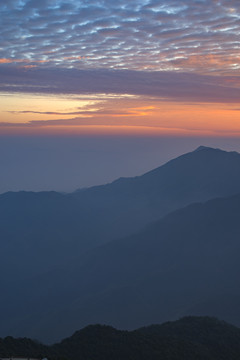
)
(190, 338)
(134, 252)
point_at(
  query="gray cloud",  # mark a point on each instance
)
(162, 85)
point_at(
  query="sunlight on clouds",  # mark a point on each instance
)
(28, 108)
(124, 114)
(153, 67)
(22, 108)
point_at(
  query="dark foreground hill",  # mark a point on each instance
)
(191, 338)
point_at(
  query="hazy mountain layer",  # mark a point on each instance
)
(185, 263)
(44, 229)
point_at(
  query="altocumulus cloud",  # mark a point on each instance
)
(184, 50)
(197, 35)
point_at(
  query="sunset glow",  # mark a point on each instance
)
(39, 114)
(153, 66)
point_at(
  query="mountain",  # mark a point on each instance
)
(130, 203)
(55, 275)
(184, 264)
(190, 338)
(52, 227)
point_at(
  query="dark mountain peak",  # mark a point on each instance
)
(213, 150)
(202, 338)
(205, 164)
(202, 147)
(91, 333)
(198, 321)
(186, 325)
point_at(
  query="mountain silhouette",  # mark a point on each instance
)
(69, 260)
(190, 338)
(41, 222)
(186, 263)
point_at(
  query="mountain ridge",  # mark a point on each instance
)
(183, 264)
(55, 251)
(189, 338)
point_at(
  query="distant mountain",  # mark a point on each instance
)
(52, 275)
(44, 229)
(190, 338)
(130, 203)
(185, 264)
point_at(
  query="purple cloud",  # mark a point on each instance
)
(174, 86)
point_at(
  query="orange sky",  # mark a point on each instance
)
(126, 114)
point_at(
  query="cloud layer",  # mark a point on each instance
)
(169, 64)
(192, 35)
(162, 85)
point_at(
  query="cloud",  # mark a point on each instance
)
(116, 34)
(158, 51)
(138, 111)
(76, 58)
(215, 62)
(13, 60)
(163, 85)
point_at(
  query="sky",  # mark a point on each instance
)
(93, 82)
